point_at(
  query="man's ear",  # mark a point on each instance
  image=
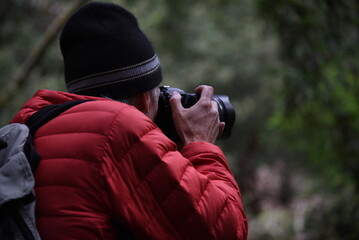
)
(143, 102)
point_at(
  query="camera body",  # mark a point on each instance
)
(164, 115)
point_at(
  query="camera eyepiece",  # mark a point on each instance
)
(164, 115)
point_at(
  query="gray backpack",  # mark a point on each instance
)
(18, 162)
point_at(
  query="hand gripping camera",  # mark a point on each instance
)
(164, 115)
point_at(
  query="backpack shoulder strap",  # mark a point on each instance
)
(49, 112)
(39, 119)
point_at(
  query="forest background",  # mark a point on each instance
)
(290, 68)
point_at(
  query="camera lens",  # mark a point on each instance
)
(226, 114)
(164, 115)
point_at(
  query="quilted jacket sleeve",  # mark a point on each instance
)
(160, 193)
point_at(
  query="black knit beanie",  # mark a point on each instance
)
(105, 51)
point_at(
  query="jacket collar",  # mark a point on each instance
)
(43, 98)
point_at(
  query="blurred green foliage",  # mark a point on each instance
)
(318, 110)
(290, 69)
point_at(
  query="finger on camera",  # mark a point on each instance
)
(214, 109)
(222, 125)
(206, 92)
(175, 101)
(214, 105)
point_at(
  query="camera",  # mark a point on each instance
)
(164, 115)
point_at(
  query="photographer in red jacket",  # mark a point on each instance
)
(106, 167)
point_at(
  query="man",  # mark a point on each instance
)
(105, 164)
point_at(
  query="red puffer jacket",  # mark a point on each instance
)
(106, 164)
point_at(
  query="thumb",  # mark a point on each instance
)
(175, 102)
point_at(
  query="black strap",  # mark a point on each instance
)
(39, 119)
(49, 112)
